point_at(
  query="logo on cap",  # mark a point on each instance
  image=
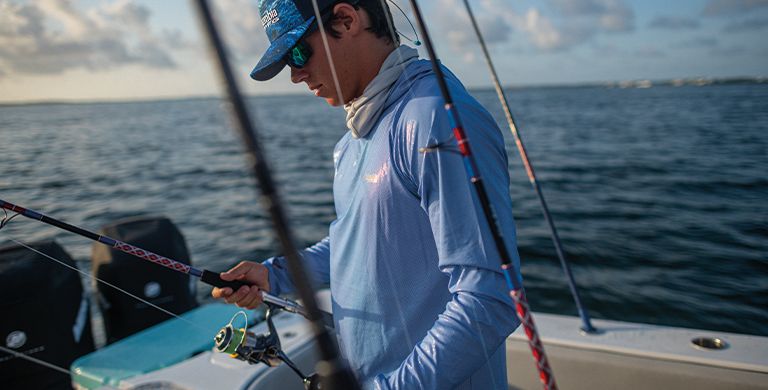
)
(270, 18)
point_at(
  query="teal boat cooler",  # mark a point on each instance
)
(154, 348)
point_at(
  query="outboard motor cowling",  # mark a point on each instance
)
(45, 315)
(173, 291)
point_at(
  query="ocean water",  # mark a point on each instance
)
(660, 194)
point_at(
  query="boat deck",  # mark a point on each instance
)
(621, 356)
(637, 356)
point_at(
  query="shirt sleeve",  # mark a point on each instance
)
(438, 177)
(480, 314)
(473, 327)
(316, 260)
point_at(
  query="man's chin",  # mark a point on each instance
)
(332, 101)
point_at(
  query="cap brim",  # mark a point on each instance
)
(272, 62)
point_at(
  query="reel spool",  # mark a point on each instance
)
(243, 345)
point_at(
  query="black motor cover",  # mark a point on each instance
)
(163, 287)
(45, 315)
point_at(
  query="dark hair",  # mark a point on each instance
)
(378, 13)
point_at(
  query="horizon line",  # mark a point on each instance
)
(633, 83)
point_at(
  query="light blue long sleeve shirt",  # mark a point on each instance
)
(419, 300)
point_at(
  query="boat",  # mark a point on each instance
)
(186, 352)
(621, 355)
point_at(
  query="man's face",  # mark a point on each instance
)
(317, 74)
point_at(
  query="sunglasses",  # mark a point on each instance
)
(299, 55)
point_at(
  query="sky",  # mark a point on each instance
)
(92, 50)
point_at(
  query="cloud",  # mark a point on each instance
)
(732, 7)
(568, 22)
(52, 36)
(575, 22)
(452, 22)
(674, 23)
(541, 31)
(565, 24)
(495, 28)
(242, 30)
(606, 15)
(746, 25)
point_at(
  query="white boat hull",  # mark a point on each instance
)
(622, 356)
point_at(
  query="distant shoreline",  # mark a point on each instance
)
(640, 83)
(647, 83)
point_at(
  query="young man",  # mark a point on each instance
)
(418, 297)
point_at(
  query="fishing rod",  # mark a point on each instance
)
(516, 289)
(206, 276)
(333, 372)
(583, 313)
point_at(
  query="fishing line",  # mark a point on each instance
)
(415, 41)
(447, 145)
(201, 329)
(332, 368)
(387, 266)
(327, 48)
(6, 220)
(54, 367)
(442, 144)
(583, 313)
(206, 276)
(516, 290)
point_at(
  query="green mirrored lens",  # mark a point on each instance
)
(299, 55)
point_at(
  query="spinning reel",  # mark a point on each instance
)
(264, 348)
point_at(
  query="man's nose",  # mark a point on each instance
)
(298, 75)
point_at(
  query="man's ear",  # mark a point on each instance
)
(346, 19)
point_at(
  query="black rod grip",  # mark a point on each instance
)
(215, 280)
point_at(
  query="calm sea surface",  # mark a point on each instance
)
(660, 194)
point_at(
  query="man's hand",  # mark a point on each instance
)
(248, 297)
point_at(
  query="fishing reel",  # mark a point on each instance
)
(264, 348)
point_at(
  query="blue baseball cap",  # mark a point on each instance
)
(285, 22)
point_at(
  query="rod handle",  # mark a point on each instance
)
(215, 280)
